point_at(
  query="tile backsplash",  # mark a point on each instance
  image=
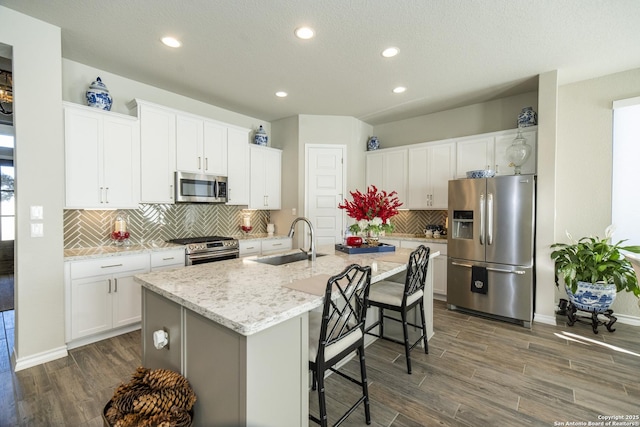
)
(90, 228)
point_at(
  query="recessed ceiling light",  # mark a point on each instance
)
(304, 33)
(281, 94)
(399, 89)
(171, 42)
(390, 52)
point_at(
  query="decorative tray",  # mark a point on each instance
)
(365, 249)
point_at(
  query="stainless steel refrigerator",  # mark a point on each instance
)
(490, 247)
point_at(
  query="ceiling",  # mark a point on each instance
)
(237, 53)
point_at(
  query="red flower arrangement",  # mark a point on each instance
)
(372, 209)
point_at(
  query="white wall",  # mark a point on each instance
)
(500, 114)
(584, 160)
(39, 161)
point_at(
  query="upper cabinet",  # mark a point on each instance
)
(237, 166)
(102, 159)
(265, 177)
(157, 153)
(201, 146)
(488, 152)
(387, 170)
(430, 169)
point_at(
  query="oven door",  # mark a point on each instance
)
(205, 257)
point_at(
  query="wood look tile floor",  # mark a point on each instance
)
(478, 372)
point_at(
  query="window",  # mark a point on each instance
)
(7, 189)
(625, 180)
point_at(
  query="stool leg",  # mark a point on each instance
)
(381, 320)
(406, 339)
(322, 404)
(365, 387)
(424, 329)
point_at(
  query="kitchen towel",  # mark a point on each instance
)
(315, 285)
(479, 279)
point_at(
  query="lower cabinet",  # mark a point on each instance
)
(264, 247)
(103, 295)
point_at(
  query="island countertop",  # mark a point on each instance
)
(247, 296)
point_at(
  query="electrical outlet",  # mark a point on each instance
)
(37, 229)
(294, 211)
(37, 212)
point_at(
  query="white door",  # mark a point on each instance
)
(325, 190)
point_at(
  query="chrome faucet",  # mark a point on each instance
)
(292, 230)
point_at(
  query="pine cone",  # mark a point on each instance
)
(163, 378)
(129, 420)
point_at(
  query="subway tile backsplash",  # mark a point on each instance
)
(90, 228)
(153, 222)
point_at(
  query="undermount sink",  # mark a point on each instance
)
(285, 259)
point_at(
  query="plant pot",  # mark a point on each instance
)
(596, 298)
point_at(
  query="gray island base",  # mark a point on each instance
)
(240, 335)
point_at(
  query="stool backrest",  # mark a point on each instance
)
(416, 271)
(345, 305)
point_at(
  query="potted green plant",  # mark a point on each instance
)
(594, 270)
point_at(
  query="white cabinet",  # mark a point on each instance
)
(264, 247)
(265, 176)
(102, 159)
(157, 153)
(387, 170)
(439, 266)
(103, 294)
(237, 166)
(201, 146)
(165, 260)
(430, 169)
(488, 152)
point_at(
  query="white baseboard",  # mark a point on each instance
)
(628, 320)
(38, 358)
(542, 318)
(102, 336)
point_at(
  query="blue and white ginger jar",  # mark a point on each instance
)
(98, 96)
(261, 138)
(527, 117)
(373, 143)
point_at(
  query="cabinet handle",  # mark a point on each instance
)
(106, 194)
(277, 244)
(206, 163)
(264, 200)
(199, 161)
(170, 191)
(167, 259)
(112, 265)
(250, 247)
(497, 171)
(101, 194)
(116, 285)
(109, 285)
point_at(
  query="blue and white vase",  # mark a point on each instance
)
(527, 117)
(98, 95)
(592, 297)
(373, 143)
(261, 138)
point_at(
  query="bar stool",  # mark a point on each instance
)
(398, 297)
(339, 332)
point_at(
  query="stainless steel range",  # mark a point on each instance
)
(200, 250)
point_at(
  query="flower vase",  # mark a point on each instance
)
(373, 238)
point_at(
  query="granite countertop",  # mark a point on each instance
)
(77, 254)
(414, 237)
(248, 297)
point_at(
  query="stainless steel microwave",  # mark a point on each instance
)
(200, 188)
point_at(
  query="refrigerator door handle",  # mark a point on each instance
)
(460, 264)
(490, 219)
(502, 270)
(482, 219)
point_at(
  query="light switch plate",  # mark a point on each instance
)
(37, 229)
(37, 212)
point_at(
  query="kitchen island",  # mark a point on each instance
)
(240, 335)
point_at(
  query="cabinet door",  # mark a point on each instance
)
(374, 170)
(127, 301)
(158, 154)
(83, 159)
(441, 170)
(91, 305)
(257, 194)
(418, 186)
(440, 275)
(237, 167)
(215, 149)
(501, 145)
(474, 154)
(121, 152)
(189, 143)
(395, 174)
(273, 173)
